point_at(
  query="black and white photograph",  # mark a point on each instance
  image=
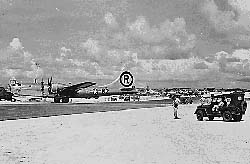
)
(124, 81)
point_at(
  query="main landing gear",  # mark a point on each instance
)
(58, 99)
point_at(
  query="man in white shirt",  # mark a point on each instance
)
(176, 102)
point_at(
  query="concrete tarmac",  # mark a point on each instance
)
(133, 136)
(35, 110)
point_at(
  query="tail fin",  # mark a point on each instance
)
(107, 85)
(124, 80)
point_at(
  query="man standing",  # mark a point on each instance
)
(176, 102)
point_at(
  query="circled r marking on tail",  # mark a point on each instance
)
(126, 79)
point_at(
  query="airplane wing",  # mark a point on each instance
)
(79, 86)
(127, 89)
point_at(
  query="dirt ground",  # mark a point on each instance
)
(139, 136)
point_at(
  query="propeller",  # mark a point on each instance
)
(50, 85)
(42, 86)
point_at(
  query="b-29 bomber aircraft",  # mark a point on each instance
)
(86, 90)
(61, 93)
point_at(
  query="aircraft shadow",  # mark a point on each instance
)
(222, 121)
(37, 111)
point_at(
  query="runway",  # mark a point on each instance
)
(35, 110)
(145, 135)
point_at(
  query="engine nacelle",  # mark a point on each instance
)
(57, 87)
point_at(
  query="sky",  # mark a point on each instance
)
(164, 43)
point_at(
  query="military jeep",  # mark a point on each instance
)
(233, 106)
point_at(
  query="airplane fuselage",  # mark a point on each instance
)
(94, 93)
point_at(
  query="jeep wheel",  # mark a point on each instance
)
(211, 118)
(227, 116)
(65, 100)
(237, 117)
(199, 115)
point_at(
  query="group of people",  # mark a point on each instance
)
(218, 103)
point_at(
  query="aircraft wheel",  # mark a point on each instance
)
(227, 116)
(65, 100)
(237, 117)
(199, 115)
(211, 118)
(57, 100)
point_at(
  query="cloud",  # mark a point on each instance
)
(95, 59)
(165, 40)
(200, 65)
(242, 54)
(120, 40)
(95, 8)
(175, 54)
(36, 70)
(242, 5)
(106, 56)
(182, 69)
(65, 51)
(245, 79)
(243, 8)
(91, 46)
(169, 31)
(169, 40)
(236, 63)
(12, 73)
(16, 44)
(4, 4)
(16, 62)
(139, 27)
(235, 20)
(110, 20)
